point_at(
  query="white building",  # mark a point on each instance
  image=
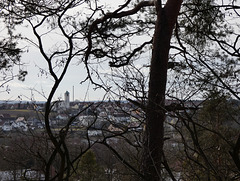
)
(61, 105)
(67, 100)
(7, 126)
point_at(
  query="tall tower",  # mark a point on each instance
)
(67, 99)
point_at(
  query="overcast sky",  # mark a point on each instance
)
(37, 86)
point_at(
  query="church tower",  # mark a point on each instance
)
(67, 100)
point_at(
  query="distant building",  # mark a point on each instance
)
(67, 100)
(62, 105)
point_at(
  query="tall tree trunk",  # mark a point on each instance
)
(153, 143)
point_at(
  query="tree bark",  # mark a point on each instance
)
(155, 113)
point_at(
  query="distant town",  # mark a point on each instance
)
(112, 115)
(24, 115)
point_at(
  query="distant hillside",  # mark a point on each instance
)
(22, 102)
(19, 112)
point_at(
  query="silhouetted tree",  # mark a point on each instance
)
(178, 35)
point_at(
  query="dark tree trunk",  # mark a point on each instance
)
(153, 143)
